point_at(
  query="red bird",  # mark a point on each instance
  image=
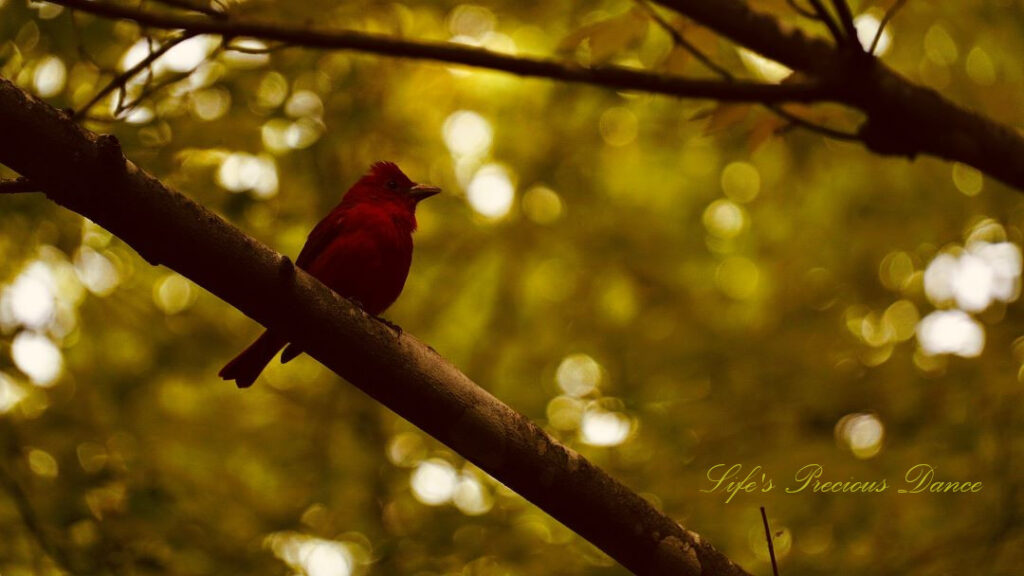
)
(362, 250)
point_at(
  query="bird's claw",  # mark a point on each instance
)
(394, 327)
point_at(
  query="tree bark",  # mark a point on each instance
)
(89, 174)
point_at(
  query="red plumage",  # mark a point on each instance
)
(362, 250)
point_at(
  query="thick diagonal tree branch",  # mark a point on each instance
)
(903, 119)
(88, 174)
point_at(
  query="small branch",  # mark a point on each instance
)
(121, 80)
(885, 21)
(771, 547)
(17, 185)
(846, 19)
(826, 18)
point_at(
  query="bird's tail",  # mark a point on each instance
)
(245, 368)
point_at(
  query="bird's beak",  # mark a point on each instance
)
(422, 191)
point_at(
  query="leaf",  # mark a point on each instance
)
(608, 37)
(723, 116)
(764, 129)
(677, 60)
(703, 38)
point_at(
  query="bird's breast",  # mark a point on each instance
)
(368, 263)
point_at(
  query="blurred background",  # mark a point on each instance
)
(663, 285)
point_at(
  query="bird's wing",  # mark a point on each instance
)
(323, 233)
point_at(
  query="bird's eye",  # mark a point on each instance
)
(392, 184)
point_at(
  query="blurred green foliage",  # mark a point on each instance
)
(665, 285)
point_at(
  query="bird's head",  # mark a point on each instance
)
(385, 183)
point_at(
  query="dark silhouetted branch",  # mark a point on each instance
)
(88, 174)
(903, 119)
(610, 76)
(846, 19)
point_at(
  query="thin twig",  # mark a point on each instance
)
(152, 89)
(614, 77)
(771, 547)
(122, 93)
(17, 185)
(149, 91)
(122, 79)
(814, 126)
(885, 20)
(846, 19)
(826, 18)
(680, 40)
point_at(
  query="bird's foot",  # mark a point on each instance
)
(394, 327)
